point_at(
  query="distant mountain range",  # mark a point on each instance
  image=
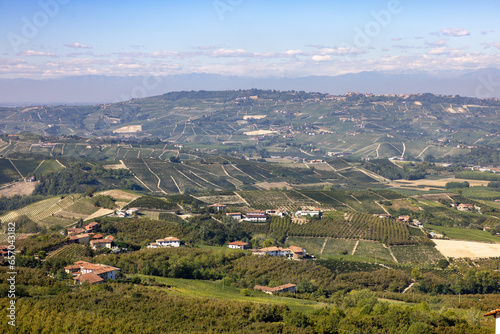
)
(484, 83)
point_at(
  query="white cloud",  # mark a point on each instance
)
(321, 58)
(454, 32)
(78, 46)
(32, 53)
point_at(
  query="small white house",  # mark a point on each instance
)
(496, 314)
(238, 245)
(167, 242)
(234, 215)
(132, 211)
(310, 213)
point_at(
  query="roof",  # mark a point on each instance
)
(91, 225)
(270, 249)
(78, 236)
(97, 236)
(101, 241)
(238, 243)
(92, 278)
(255, 216)
(296, 249)
(233, 213)
(168, 239)
(494, 312)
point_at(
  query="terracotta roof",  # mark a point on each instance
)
(92, 278)
(233, 213)
(97, 236)
(110, 237)
(494, 312)
(270, 249)
(296, 249)
(238, 243)
(78, 236)
(101, 241)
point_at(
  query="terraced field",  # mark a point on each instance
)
(373, 249)
(72, 251)
(417, 254)
(43, 209)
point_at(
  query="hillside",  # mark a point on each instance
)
(279, 122)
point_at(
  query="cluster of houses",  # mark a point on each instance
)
(262, 216)
(166, 242)
(291, 252)
(86, 235)
(92, 273)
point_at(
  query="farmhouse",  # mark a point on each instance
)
(311, 213)
(90, 227)
(218, 207)
(464, 207)
(256, 216)
(403, 219)
(382, 215)
(281, 288)
(280, 213)
(234, 215)
(91, 272)
(100, 244)
(79, 238)
(238, 245)
(293, 252)
(167, 242)
(74, 231)
(132, 211)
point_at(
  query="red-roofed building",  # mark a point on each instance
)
(75, 230)
(81, 268)
(496, 315)
(91, 226)
(90, 278)
(100, 244)
(238, 245)
(79, 238)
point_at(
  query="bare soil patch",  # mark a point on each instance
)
(118, 194)
(18, 188)
(470, 249)
(129, 129)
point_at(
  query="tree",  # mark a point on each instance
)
(443, 263)
(89, 192)
(416, 273)
(61, 275)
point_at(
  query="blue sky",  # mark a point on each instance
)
(292, 38)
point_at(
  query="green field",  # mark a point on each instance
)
(416, 254)
(312, 245)
(373, 249)
(83, 206)
(48, 166)
(26, 167)
(481, 193)
(208, 289)
(335, 247)
(464, 234)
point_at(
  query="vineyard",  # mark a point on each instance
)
(373, 249)
(72, 251)
(335, 247)
(417, 254)
(356, 226)
(43, 209)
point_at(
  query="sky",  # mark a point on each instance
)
(278, 38)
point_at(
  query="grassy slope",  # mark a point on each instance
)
(465, 234)
(208, 289)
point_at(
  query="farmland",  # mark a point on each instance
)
(468, 249)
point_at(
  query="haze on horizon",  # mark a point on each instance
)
(53, 39)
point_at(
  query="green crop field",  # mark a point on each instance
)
(373, 249)
(335, 247)
(208, 289)
(7, 172)
(83, 206)
(312, 245)
(464, 234)
(417, 254)
(481, 193)
(26, 167)
(48, 166)
(72, 251)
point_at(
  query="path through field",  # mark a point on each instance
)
(390, 252)
(159, 180)
(355, 246)
(323, 247)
